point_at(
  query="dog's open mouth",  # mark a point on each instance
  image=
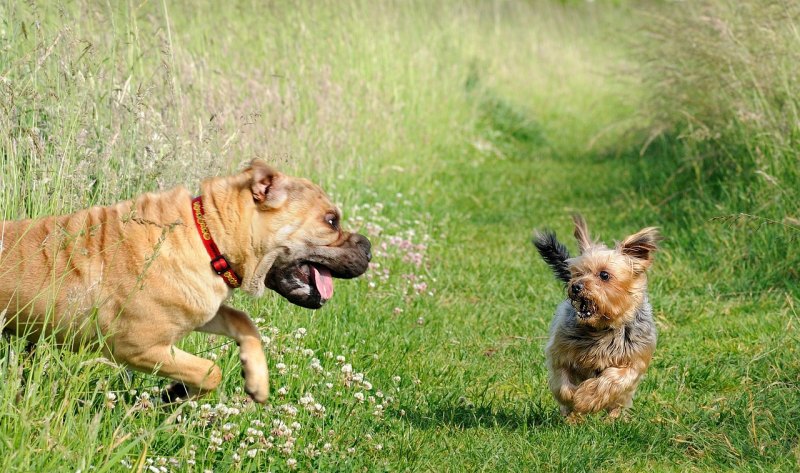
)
(305, 276)
(306, 284)
(323, 280)
(583, 308)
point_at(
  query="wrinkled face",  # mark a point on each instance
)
(300, 229)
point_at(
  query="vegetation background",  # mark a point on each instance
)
(447, 131)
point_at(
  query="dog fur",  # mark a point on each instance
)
(134, 278)
(603, 336)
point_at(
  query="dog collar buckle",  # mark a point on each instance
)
(220, 265)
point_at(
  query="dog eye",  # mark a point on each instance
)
(332, 220)
(604, 275)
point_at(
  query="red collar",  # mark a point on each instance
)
(219, 264)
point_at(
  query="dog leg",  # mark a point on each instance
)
(612, 390)
(238, 326)
(562, 388)
(194, 376)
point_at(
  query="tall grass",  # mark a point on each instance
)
(721, 84)
(447, 131)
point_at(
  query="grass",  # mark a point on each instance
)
(448, 132)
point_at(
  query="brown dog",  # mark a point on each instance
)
(135, 277)
(603, 335)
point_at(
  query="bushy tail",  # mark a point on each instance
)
(553, 252)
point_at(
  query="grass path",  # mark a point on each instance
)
(482, 402)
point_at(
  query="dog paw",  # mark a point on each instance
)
(574, 418)
(589, 397)
(257, 387)
(618, 413)
(256, 376)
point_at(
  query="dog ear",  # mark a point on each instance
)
(581, 233)
(267, 185)
(641, 245)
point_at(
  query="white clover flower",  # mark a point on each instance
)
(351, 450)
(316, 365)
(340, 359)
(329, 385)
(306, 399)
(359, 396)
(325, 448)
(289, 410)
(291, 463)
(236, 458)
(378, 446)
(252, 452)
(254, 432)
(379, 394)
(300, 333)
(367, 385)
(308, 352)
(296, 426)
(347, 369)
(266, 340)
(396, 379)
(283, 391)
(358, 377)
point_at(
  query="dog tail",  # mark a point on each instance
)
(553, 252)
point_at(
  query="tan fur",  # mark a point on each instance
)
(597, 360)
(134, 278)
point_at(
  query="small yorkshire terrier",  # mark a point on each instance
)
(603, 335)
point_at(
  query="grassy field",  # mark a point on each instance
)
(447, 131)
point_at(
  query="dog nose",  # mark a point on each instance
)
(363, 243)
(577, 288)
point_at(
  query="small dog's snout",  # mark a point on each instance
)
(576, 288)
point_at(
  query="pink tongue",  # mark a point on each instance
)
(324, 281)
